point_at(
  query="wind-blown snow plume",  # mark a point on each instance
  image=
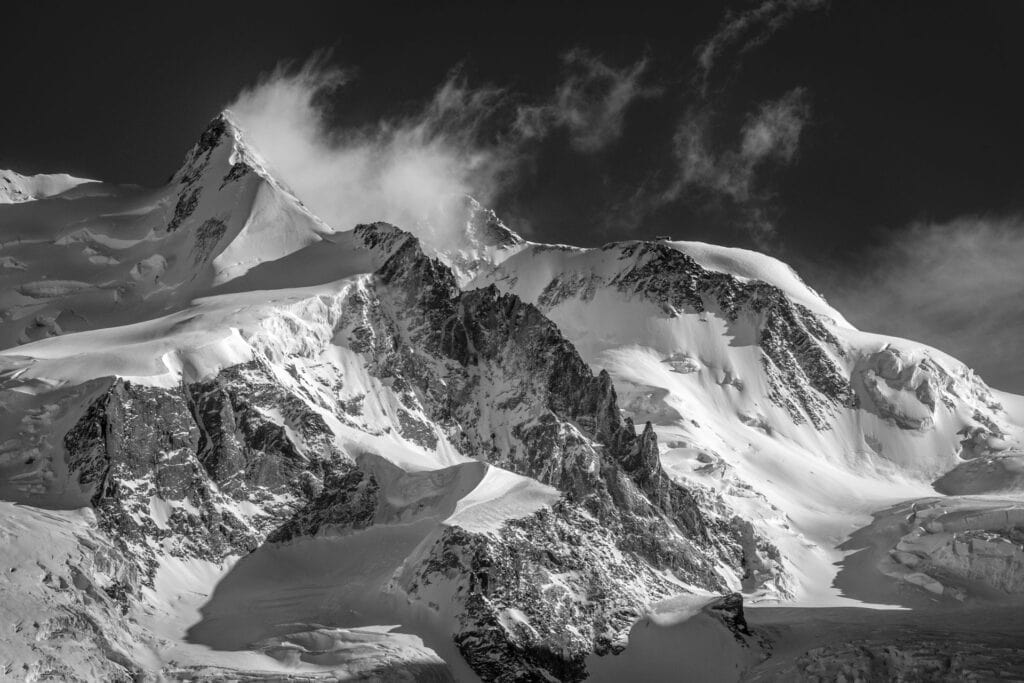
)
(400, 170)
(406, 170)
(940, 283)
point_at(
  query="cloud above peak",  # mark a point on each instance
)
(720, 168)
(770, 136)
(733, 172)
(745, 30)
(402, 170)
(474, 140)
(590, 102)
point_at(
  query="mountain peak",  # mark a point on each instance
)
(467, 236)
(485, 229)
(222, 132)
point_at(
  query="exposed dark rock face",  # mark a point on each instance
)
(729, 609)
(573, 437)
(188, 200)
(238, 171)
(346, 499)
(198, 158)
(193, 453)
(136, 444)
(190, 178)
(208, 236)
(196, 162)
(540, 597)
(241, 447)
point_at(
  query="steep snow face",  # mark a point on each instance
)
(15, 188)
(759, 389)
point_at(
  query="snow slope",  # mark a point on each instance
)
(134, 254)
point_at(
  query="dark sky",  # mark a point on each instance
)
(912, 124)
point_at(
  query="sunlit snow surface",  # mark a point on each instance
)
(94, 285)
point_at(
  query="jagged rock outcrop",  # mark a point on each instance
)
(729, 609)
(347, 499)
(542, 595)
(168, 468)
(135, 445)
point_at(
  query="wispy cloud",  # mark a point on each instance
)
(954, 285)
(590, 103)
(745, 30)
(730, 172)
(733, 170)
(769, 137)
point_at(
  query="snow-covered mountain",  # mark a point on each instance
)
(259, 446)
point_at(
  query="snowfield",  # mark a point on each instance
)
(238, 443)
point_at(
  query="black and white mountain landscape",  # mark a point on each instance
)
(317, 408)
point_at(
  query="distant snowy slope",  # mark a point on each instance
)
(15, 188)
(96, 261)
